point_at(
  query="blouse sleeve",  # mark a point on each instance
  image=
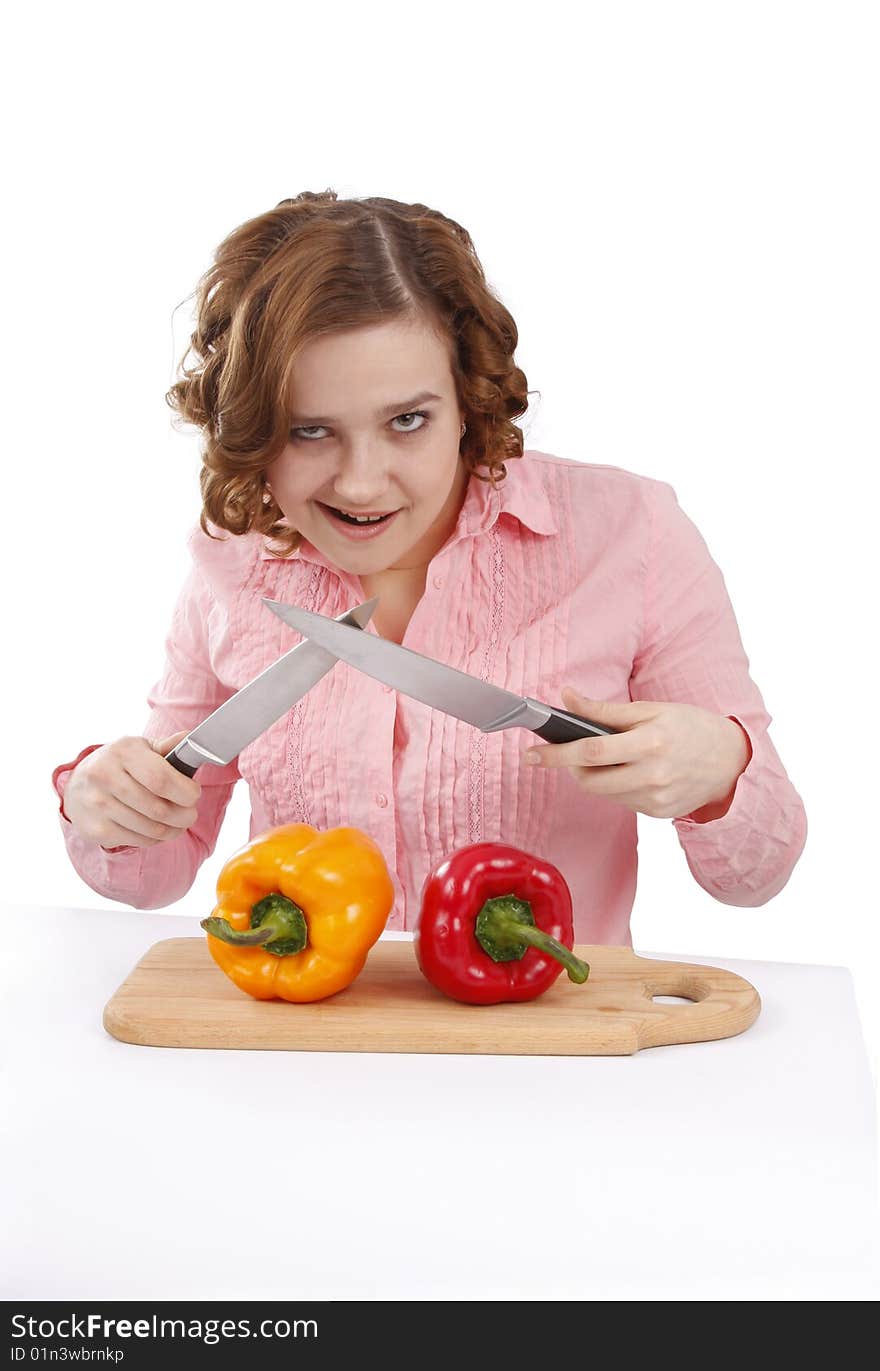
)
(186, 692)
(691, 653)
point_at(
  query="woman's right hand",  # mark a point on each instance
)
(126, 794)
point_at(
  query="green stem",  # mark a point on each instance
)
(222, 929)
(506, 929)
(277, 924)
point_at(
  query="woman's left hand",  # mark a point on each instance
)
(667, 760)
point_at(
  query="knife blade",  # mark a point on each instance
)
(250, 711)
(486, 706)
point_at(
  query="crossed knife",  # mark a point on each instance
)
(248, 713)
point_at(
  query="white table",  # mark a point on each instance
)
(740, 1169)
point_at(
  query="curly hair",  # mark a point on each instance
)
(315, 265)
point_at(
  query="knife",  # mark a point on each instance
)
(486, 706)
(250, 711)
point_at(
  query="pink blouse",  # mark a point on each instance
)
(570, 573)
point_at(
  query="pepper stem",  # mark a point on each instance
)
(277, 924)
(505, 929)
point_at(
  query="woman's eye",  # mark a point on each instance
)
(416, 414)
(298, 434)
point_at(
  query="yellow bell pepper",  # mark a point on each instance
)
(298, 911)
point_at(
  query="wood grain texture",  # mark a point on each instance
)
(176, 996)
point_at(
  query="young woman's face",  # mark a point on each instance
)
(364, 439)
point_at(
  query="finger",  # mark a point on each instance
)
(115, 812)
(615, 714)
(611, 750)
(164, 745)
(139, 799)
(159, 777)
(114, 835)
(625, 784)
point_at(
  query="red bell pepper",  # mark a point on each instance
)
(495, 924)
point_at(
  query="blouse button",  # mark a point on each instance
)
(381, 801)
(438, 581)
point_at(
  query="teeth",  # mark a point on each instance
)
(362, 519)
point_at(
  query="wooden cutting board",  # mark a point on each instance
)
(176, 996)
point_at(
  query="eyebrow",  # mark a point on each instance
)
(401, 407)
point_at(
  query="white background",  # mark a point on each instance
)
(678, 202)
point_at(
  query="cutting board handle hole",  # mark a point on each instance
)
(672, 999)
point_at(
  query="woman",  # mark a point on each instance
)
(353, 364)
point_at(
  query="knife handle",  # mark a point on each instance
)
(563, 727)
(178, 763)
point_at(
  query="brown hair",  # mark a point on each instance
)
(314, 265)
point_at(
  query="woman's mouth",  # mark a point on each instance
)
(354, 527)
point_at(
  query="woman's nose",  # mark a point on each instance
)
(362, 473)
